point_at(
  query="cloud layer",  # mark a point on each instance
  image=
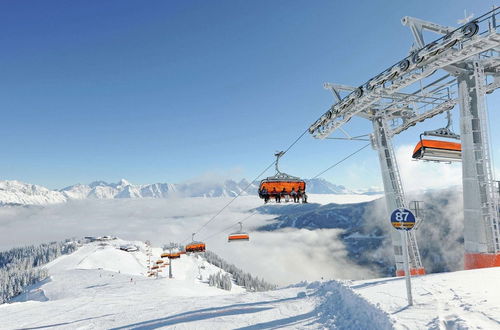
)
(282, 257)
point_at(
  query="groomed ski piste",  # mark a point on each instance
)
(102, 287)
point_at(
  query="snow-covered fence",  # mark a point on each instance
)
(20, 267)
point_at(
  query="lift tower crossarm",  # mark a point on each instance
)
(469, 40)
(416, 26)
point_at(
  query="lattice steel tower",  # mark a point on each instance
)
(458, 68)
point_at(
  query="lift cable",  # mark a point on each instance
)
(256, 211)
(248, 186)
(341, 161)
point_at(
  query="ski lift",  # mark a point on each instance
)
(281, 183)
(439, 150)
(159, 262)
(165, 255)
(155, 267)
(238, 236)
(195, 246)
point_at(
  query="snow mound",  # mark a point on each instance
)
(342, 308)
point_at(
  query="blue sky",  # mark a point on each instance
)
(167, 91)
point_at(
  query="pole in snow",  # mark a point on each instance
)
(403, 220)
(172, 245)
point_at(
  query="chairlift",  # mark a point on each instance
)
(195, 246)
(174, 255)
(439, 150)
(281, 184)
(239, 236)
(159, 262)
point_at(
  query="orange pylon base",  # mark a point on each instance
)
(481, 260)
(413, 272)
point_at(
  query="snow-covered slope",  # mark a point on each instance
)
(101, 287)
(457, 300)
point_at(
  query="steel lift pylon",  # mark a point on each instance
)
(481, 231)
(460, 67)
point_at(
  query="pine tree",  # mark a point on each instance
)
(20, 267)
(240, 277)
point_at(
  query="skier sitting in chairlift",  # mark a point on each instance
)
(284, 194)
(265, 194)
(276, 195)
(302, 195)
(294, 195)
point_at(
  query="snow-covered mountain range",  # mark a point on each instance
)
(20, 193)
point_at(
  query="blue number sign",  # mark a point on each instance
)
(402, 219)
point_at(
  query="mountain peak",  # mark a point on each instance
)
(98, 183)
(123, 183)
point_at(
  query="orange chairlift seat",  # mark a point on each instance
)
(174, 255)
(195, 246)
(275, 184)
(439, 150)
(238, 236)
(435, 150)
